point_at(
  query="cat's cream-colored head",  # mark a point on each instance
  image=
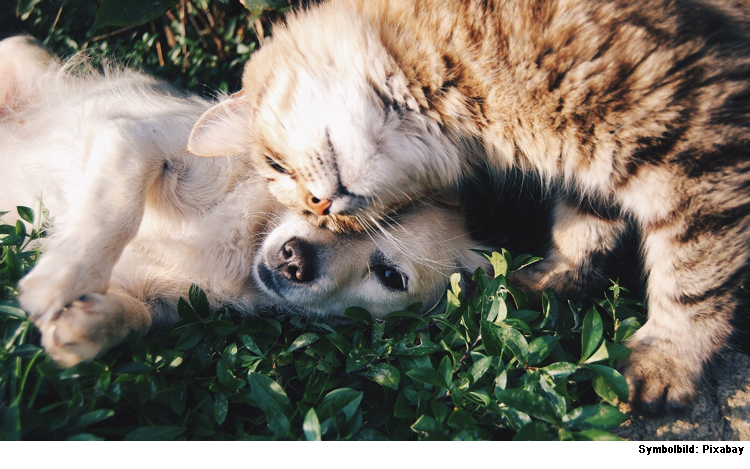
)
(315, 271)
(329, 121)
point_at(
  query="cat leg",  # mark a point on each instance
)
(91, 325)
(581, 240)
(104, 216)
(695, 264)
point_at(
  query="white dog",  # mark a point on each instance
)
(136, 220)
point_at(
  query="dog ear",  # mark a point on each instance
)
(23, 60)
(222, 130)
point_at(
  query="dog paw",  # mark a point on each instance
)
(659, 381)
(82, 331)
(51, 286)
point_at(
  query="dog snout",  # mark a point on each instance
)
(297, 261)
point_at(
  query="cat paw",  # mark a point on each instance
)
(81, 331)
(659, 382)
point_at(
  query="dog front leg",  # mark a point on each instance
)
(104, 215)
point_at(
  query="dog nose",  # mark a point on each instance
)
(297, 261)
(318, 206)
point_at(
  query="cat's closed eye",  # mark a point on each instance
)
(276, 166)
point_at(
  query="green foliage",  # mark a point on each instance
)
(486, 367)
(201, 45)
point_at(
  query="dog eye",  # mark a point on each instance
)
(276, 166)
(390, 277)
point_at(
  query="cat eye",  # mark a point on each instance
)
(276, 166)
(390, 277)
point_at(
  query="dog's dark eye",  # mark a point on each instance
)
(390, 277)
(276, 166)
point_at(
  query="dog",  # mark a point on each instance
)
(136, 220)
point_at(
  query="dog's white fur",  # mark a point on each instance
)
(136, 220)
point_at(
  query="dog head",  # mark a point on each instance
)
(407, 260)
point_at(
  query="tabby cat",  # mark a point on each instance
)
(643, 112)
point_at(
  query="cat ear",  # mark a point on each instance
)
(222, 130)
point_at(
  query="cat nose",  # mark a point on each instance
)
(318, 206)
(297, 261)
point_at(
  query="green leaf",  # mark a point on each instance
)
(358, 314)
(560, 370)
(11, 240)
(524, 315)
(430, 429)
(401, 409)
(133, 368)
(424, 347)
(311, 426)
(23, 9)
(550, 309)
(480, 367)
(407, 314)
(540, 348)
(132, 13)
(428, 376)
(626, 329)
(259, 6)
(453, 302)
(601, 354)
(529, 403)
(591, 336)
(221, 408)
(303, 341)
(385, 375)
(267, 392)
(199, 301)
(461, 419)
(523, 260)
(250, 344)
(536, 431)
(595, 435)
(357, 358)
(155, 433)
(446, 369)
(11, 420)
(9, 310)
(618, 352)
(344, 400)
(190, 338)
(272, 399)
(499, 263)
(85, 437)
(90, 418)
(600, 417)
(519, 297)
(26, 213)
(609, 383)
(510, 338)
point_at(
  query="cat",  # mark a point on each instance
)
(625, 112)
(136, 220)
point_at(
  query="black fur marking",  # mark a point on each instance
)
(727, 287)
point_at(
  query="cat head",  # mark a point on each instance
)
(328, 120)
(311, 270)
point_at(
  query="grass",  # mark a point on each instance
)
(481, 368)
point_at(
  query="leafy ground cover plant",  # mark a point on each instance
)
(191, 43)
(475, 368)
